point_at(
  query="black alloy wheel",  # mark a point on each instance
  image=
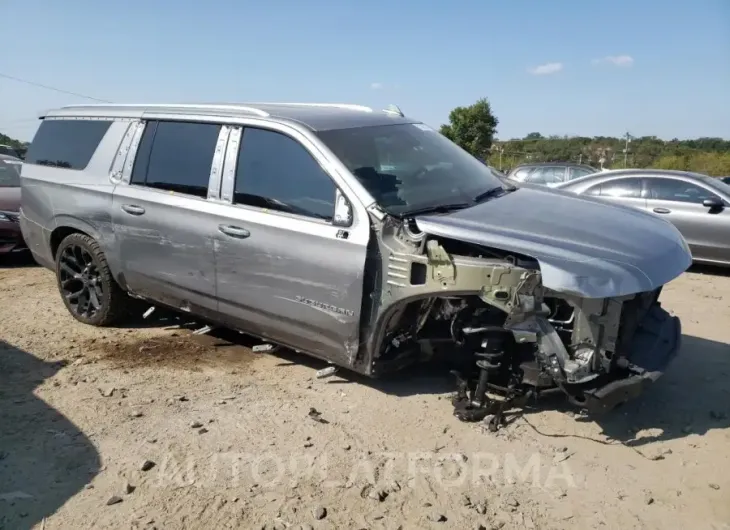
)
(80, 281)
(86, 284)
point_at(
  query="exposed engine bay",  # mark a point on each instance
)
(508, 337)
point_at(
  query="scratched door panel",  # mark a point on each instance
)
(291, 275)
(292, 280)
(168, 252)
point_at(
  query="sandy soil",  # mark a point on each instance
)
(235, 444)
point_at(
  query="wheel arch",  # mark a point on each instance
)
(67, 225)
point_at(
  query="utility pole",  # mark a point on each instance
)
(500, 150)
(627, 137)
(580, 158)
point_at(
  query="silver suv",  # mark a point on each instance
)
(358, 236)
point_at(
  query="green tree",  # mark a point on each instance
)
(472, 128)
(12, 142)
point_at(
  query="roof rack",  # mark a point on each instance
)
(244, 108)
(347, 106)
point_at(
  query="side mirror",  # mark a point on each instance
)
(713, 203)
(343, 210)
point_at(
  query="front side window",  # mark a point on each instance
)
(176, 156)
(67, 144)
(665, 189)
(9, 173)
(577, 172)
(408, 167)
(276, 172)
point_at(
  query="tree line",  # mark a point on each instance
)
(474, 128)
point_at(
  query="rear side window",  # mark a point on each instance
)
(621, 188)
(276, 172)
(176, 156)
(520, 173)
(547, 175)
(577, 172)
(67, 144)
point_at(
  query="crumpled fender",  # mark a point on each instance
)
(585, 247)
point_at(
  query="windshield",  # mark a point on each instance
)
(9, 173)
(718, 184)
(409, 167)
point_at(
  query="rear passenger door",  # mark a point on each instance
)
(163, 224)
(284, 270)
(626, 191)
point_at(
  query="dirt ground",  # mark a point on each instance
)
(232, 441)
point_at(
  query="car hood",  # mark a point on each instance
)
(10, 199)
(584, 246)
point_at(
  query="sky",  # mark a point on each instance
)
(565, 67)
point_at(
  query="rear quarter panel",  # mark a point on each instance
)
(55, 197)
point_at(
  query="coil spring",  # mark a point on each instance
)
(490, 358)
(491, 361)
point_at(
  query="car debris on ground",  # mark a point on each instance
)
(326, 372)
(264, 348)
(202, 331)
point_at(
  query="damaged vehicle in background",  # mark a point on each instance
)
(11, 239)
(357, 236)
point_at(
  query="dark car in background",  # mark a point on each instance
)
(549, 173)
(11, 239)
(7, 150)
(698, 205)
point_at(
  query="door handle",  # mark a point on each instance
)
(133, 209)
(662, 210)
(234, 231)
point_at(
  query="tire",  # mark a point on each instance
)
(86, 284)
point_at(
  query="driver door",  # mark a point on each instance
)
(706, 230)
(286, 268)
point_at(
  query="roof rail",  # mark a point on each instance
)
(347, 106)
(394, 109)
(244, 108)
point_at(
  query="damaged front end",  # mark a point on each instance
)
(508, 336)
